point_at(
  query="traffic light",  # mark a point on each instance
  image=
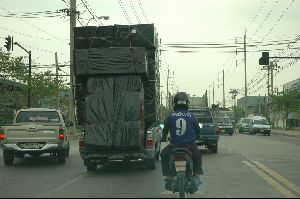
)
(8, 43)
(264, 60)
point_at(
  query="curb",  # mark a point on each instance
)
(285, 134)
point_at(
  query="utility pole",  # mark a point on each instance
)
(72, 26)
(209, 95)
(245, 61)
(213, 92)
(168, 103)
(223, 91)
(29, 74)
(161, 106)
(57, 95)
(234, 93)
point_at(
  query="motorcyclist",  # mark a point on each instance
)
(184, 130)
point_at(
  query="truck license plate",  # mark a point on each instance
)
(31, 145)
(115, 156)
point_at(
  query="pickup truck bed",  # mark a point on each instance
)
(209, 130)
(33, 132)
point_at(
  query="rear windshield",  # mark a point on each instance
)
(224, 120)
(263, 122)
(38, 116)
(246, 121)
(202, 116)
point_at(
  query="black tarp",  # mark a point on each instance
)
(114, 111)
(116, 36)
(122, 135)
(113, 60)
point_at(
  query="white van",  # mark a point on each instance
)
(260, 124)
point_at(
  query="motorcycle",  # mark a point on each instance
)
(181, 165)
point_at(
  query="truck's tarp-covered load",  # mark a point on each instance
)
(114, 112)
(139, 35)
(113, 60)
(125, 135)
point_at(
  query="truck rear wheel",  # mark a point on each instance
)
(150, 164)
(8, 157)
(214, 148)
(61, 156)
(91, 167)
(68, 151)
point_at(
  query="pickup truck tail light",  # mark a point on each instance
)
(2, 136)
(218, 131)
(61, 135)
(81, 143)
(150, 142)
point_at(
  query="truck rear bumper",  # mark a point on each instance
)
(207, 141)
(47, 147)
(94, 157)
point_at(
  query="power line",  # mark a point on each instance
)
(15, 32)
(124, 11)
(143, 11)
(265, 19)
(61, 40)
(85, 3)
(134, 11)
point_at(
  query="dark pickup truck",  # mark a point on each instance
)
(210, 132)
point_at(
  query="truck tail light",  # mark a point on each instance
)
(150, 142)
(61, 135)
(2, 136)
(218, 131)
(81, 143)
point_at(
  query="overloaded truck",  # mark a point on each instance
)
(117, 93)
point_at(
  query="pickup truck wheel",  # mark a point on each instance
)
(91, 167)
(20, 155)
(214, 148)
(61, 156)
(157, 154)
(68, 151)
(150, 164)
(8, 157)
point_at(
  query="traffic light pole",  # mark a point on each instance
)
(29, 75)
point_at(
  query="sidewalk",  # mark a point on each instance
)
(284, 132)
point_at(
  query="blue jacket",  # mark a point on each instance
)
(183, 126)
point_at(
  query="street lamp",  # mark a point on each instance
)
(101, 17)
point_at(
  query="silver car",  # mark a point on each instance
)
(244, 125)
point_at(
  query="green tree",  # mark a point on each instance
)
(44, 87)
(287, 102)
(239, 112)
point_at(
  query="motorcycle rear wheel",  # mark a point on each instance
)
(181, 187)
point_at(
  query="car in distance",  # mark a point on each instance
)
(244, 125)
(210, 132)
(260, 125)
(225, 125)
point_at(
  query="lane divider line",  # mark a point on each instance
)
(271, 181)
(280, 178)
(62, 186)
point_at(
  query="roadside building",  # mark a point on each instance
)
(256, 104)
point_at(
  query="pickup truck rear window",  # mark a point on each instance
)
(203, 116)
(38, 116)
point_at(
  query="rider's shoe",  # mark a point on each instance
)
(195, 182)
(169, 183)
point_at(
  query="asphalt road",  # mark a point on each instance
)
(245, 166)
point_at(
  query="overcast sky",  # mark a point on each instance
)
(191, 23)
